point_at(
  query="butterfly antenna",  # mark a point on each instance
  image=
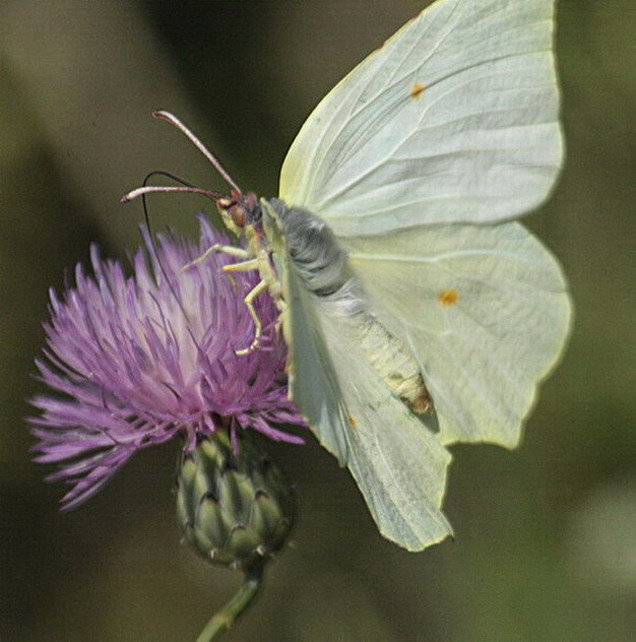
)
(150, 189)
(175, 122)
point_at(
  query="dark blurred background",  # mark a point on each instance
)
(545, 543)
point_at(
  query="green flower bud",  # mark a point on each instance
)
(233, 504)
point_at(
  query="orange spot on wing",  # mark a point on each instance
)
(416, 90)
(352, 422)
(448, 297)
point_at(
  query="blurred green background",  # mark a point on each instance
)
(545, 543)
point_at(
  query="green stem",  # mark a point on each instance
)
(222, 620)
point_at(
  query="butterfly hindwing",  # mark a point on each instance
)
(483, 308)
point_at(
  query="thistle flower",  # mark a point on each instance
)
(141, 359)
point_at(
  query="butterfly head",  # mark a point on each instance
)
(240, 211)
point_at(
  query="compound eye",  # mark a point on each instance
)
(237, 214)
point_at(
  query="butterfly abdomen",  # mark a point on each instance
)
(323, 266)
(389, 356)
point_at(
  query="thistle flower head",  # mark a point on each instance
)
(140, 359)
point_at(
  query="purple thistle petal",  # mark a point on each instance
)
(138, 360)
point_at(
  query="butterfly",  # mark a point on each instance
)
(418, 313)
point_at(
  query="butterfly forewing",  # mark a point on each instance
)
(454, 119)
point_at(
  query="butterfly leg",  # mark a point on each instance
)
(269, 281)
(230, 250)
(259, 288)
